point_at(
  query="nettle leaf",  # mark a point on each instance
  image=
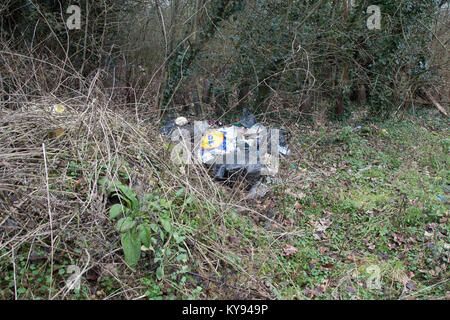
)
(178, 239)
(179, 193)
(109, 185)
(115, 211)
(160, 273)
(189, 200)
(182, 257)
(125, 224)
(131, 245)
(154, 227)
(166, 224)
(184, 269)
(124, 199)
(102, 182)
(144, 235)
(129, 193)
(164, 203)
(155, 205)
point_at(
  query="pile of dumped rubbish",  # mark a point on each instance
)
(246, 149)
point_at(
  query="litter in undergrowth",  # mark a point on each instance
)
(181, 121)
(244, 150)
(259, 190)
(58, 108)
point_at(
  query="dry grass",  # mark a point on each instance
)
(51, 202)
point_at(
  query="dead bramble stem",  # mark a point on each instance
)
(51, 221)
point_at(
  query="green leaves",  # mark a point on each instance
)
(122, 191)
(160, 273)
(115, 211)
(125, 224)
(137, 233)
(165, 222)
(131, 245)
(128, 195)
(144, 235)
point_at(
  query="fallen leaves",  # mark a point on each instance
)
(351, 289)
(317, 290)
(288, 250)
(428, 234)
(56, 133)
(78, 183)
(410, 285)
(322, 225)
(323, 250)
(398, 238)
(234, 241)
(296, 195)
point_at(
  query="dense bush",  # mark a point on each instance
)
(325, 48)
(302, 52)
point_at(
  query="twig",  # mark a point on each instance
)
(14, 270)
(51, 221)
(424, 289)
(436, 104)
(250, 290)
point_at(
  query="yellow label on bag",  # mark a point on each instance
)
(212, 140)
